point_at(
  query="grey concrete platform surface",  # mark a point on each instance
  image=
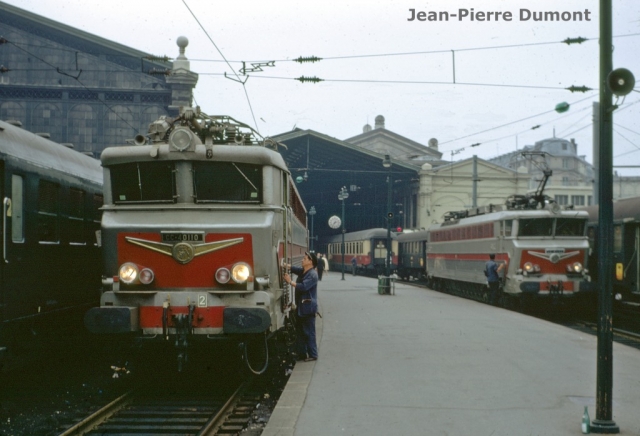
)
(425, 363)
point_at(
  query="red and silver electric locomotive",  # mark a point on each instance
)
(544, 251)
(197, 219)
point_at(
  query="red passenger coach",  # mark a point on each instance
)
(197, 219)
(544, 252)
(368, 247)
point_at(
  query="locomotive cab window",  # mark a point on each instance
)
(227, 182)
(508, 225)
(536, 227)
(141, 182)
(570, 227)
(551, 227)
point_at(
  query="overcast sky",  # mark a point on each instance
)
(377, 62)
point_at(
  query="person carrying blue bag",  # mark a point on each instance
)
(306, 298)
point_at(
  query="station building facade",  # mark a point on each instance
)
(81, 89)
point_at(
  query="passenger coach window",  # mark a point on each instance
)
(76, 231)
(98, 201)
(617, 239)
(227, 182)
(143, 182)
(17, 217)
(48, 200)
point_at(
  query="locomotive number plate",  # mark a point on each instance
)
(182, 236)
(202, 300)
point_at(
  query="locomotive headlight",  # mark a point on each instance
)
(223, 276)
(528, 267)
(146, 276)
(240, 272)
(128, 273)
(576, 267)
(181, 139)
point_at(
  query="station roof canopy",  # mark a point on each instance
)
(311, 150)
(322, 165)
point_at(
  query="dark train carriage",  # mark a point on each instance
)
(412, 255)
(368, 247)
(626, 243)
(50, 268)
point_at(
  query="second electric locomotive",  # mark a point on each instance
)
(544, 251)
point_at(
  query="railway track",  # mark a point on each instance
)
(138, 413)
(627, 316)
(622, 336)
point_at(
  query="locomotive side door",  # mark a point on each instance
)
(289, 298)
(14, 281)
(288, 228)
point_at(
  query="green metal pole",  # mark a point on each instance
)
(388, 269)
(343, 238)
(604, 380)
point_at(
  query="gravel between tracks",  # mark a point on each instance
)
(61, 387)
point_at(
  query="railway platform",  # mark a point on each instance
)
(425, 363)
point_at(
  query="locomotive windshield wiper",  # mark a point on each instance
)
(536, 227)
(243, 175)
(570, 227)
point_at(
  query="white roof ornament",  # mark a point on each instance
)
(181, 61)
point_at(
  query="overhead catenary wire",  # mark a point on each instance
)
(388, 54)
(533, 128)
(424, 52)
(228, 64)
(411, 82)
(630, 142)
(372, 55)
(337, 80)
(581, 119)
(447, 83)
(509, 123)
(626, 128)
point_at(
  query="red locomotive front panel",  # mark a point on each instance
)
(567, 286)
(552, 261)
(151, 317)
(185, 259)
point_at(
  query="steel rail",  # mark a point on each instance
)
(98, 417)
(211, 427)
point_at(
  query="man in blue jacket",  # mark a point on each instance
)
(306, 298)
(492, 272)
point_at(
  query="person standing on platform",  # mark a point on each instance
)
(326, 262)
(320, 267)
(492, 272)
(354, 265)
(306, 298)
